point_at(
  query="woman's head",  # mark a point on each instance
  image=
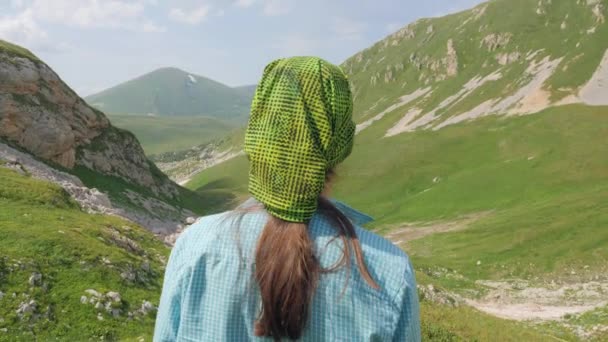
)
(300, 128)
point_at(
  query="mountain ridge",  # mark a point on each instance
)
(170, 91)
(480, 151)
(43, 116)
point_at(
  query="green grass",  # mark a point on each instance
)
(581, 53)
(543, 178)
(16, 50)
(222, 186)
(44, 231)
(446, 324)
(168, 134)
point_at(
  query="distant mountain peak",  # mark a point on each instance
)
(170, 91)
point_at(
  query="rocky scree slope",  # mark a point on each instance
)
(41, 115)
(500, 58)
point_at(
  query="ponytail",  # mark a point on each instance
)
(287, 271)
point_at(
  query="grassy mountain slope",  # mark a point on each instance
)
(167, 134)
(173, 92)
(43, 117)
(532, 190)
(515, 41)
(248, 90)
(542, 180)
(16, 50)
(44, 232)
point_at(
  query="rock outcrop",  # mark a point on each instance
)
(155, 215)
(42, 115)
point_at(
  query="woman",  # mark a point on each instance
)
(288, 263)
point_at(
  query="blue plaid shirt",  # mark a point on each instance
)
(209, 293)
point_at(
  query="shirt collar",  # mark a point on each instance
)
(354, 215)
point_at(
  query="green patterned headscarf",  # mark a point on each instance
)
(300, 127)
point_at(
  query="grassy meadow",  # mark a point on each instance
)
(159, 134)
(45, 232)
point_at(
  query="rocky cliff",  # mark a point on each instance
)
(41, 115)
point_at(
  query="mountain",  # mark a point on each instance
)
(161, 134)
(480, 150)
(83, 215)
(69, 275)
(248, 90)
(72, 144)
(174, 92)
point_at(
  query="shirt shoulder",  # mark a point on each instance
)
(388, 263)
(221, 234)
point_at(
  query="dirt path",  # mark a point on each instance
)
(415, 231)
(518, 300)
(515, 299)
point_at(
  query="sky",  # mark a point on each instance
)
(96, 44)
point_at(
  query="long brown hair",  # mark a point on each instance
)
(287, 271)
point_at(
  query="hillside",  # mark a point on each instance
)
(173, 92)
(50, 131)
(501, 210)
(160, 134)
(71, 276)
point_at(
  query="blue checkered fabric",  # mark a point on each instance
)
(209, 293)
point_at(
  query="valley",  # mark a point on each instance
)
(492, 176)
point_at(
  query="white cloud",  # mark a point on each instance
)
(116, 14)
(22, 29)
(348, 29)
(191, 17)
(244, 3)
(89, 13)
(277, 7)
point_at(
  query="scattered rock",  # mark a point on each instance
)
(1, 295)
(99, 317)
(129, 274)
(124, 242)
(478, 262)
(155, 215)
(433, 294)
(35, 279)
(114, 296)
(93, 293)
(508, 58)
(190, 220)
(84, 299)
(26, 308)
(452, 59)
(115, 313)
(495, 41)
(147, 307)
